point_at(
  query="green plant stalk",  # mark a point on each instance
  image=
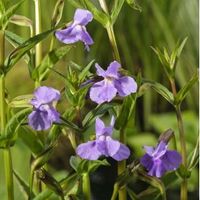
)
(38, 47)
(110, 32)
(86, 186)
(7, 153)
(183, 195)
(111, 35)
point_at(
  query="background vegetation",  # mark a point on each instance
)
(161, 23)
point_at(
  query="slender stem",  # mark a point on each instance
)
(110, 32)
(86, 186)
(121, 168)
(38, 48)
(7, 153)
(111, 35)
(182, 141)
(115, 191)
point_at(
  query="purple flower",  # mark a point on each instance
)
(160, 160)
(103, 145)
(76, 31)
(113, 83)
(44, 114)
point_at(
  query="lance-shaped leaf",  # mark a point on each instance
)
(57, 13)
(116, 10)
(21, 50)
(133, 4)
(99, 110)
(100, 16)
(50, 181)
(23, 185)
(85, 71)
(185, 89)
(159, 88)
(194, 160)
(31, 140)
(4, 17)
(153, 181)
(14, 39)
(22, 101)
(40, 73)
(21, 20)
(38, 162)
(9, 136)
(126, 111)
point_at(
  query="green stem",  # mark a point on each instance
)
(86, 186)
(38, 47)
(110, 32)
(115, 191)
(183, 195)
(7, 153)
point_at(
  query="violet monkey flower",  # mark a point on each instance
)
(113, 83)
(104, 145)
(76, 31)
(160, 160)
(44, 114)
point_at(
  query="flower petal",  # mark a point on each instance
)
(69, 35)
(112, 70)
(122, 153)
(86, 38)
(125, 86)
(160, 150)
(149, 150)
(45, 95)
(82, 16)
(171, 160)
(147, 161)
(99, 127)
(102, 91)
(39, 120)
(53, 115)
(100, 71)
(107, 146)
(88, 151)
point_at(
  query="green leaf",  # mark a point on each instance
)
(153, 181)
(159, 88)
(176, 53)
(21, 20)
(41, 159)
(21, 50)
(133, 4)
(116, 10)
(100, 16)
(185, 89)
(85, 72)
(22, 184)
(126, 111)
(14, 39)
(57, 13)
(195, 157)
(184, 172)
(132, 194)
(75, 162)
(99, 110)
(50, 182)
(10, 133)
(21, 101)
(40, 73)
(31, 140)
(89, 166)
(4, 18)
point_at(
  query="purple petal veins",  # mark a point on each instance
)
(103, 145)
(44, 114)
(159, 160)
(76, 31)
(112, 84)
